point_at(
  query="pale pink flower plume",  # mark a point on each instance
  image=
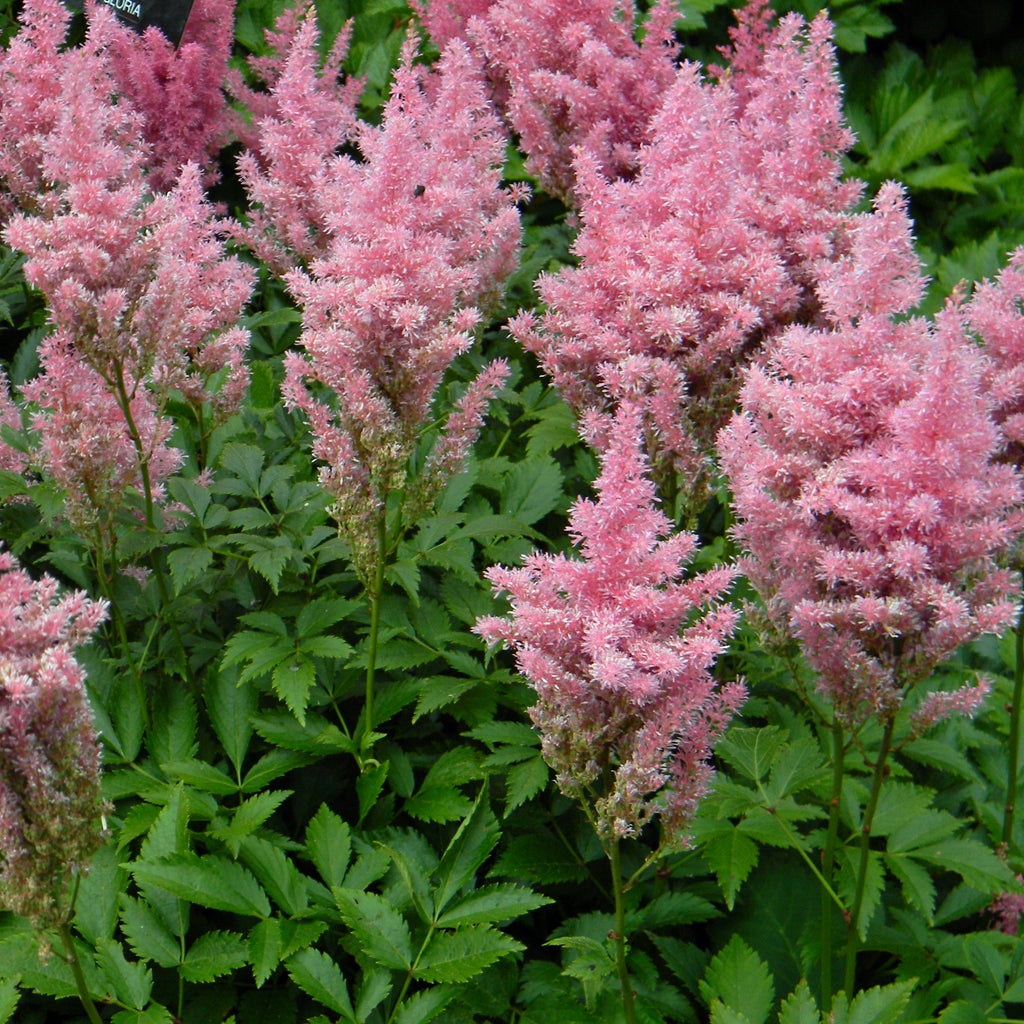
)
(570, 73)
(863, 482)
(51, 807)
(618, 643)
(966, 701)
(736, 208)
(446, 20)
(179, 91)
(11, 459)
(304, 119)
(141, 292)
(995, 314)
(420, 236)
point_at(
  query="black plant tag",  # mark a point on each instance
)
(168, 15)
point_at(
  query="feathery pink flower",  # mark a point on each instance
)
(618, 645)
(179, 91)
(863, 482)
(736, 207)
(1007, 908)
(569, 74)
(50, 803)
(420, 236)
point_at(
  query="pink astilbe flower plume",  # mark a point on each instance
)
(618, 645)
(736, 206)
(306, 117)
(51, 809)
(418, 237)
(568, 74)
(142, 295)
(865, 492)
(179, 91)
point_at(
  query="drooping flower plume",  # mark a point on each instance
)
(864, 486)
(736, 206)
(619, 643)
(51, 807)
(420, 237)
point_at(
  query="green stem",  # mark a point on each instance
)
(828, 863)
(852, 943)
(628, 999)
(375, 605)
(1013, 766)
(76, 969)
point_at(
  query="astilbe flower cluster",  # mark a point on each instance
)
(618, 643)
(736, 208)
(179, 91)
(864, 487)
(420, 238)
(303, 117)
(51, 808)
(142, 295)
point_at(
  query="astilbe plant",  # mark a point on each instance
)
(618, 643)
(142, 296)
(421, 236)
(179, 91)
(736, 207)
(871, 508)
(51, 807)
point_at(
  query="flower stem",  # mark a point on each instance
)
(376, 596)
(828, 863)
(628, 999)
(852, 943)
(76, 969)
(1013, 765)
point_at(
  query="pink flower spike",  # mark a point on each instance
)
(618, 647)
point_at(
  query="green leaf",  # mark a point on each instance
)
(9, 996)
(532, 489)
(799, 1007)
(987, 962)
(329, 845)
(374, 990)
(438, 804)
(155, 1013)
(740, 979)
(722, 1014)
(916, 883)
(321, 979)
(369, 785)
(146, 934)
(292, 680)
(492, 904)
(752, 751)
(469, 848)
(277, 873)
(425, 1005)
(377, 926)
(732, 856)
(210, 881)
(881, 1005)
(201, 776)
(524, 781)
(214, 954)
(539, 857)
(963, 1012)
(230, 708)
(132, 982)
(248, 816)
(264, 949)
(976, 864)
(313, 736)
(874, 883)
(460, 955)
(98, 890)
(188, 564)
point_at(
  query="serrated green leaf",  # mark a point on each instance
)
(881, 1005)
(524, 781)
(532, 489)
(248, 816)
(314, 736)
(277, 873)
(214, 954)
(492, 904)
(245, 461)
(155, 1013)
(463, 954)
(469, 848)
(963, 1012)
(169, 832)
(98, 890)
(188, 564)
(987, 962)
(874, 883)
(131, 982)
(916, 883)
(752, 751)
(230, 707)
(202, 776)
(264, 949)
(438, 804)
(321, 979)
(273, 765)
(292, 680)
(722, 1014)
(975, 863)
(741, 980)
(425, 1005)
(329, 845)
(210, 881)
(374, 990)
(538, 857)
(378, 927)
(799, 1007)
(146, 934)
(9, 996)
(732, 856)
